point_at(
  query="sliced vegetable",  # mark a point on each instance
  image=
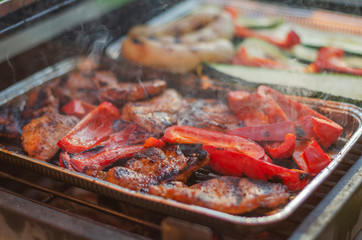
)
(327, 132)
(266, 132)
(299, 148)
(193, 135)
(315, 157)
(154, 142)
(259, 53)
(92, 129)
(101, 156)
(282, 151)
(329, 59)
(290, 40)
(343, 85)
(78, 108)
(229, 162)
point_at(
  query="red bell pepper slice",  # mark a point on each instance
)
(154, 142)
(247, 108)
(327, 132)
(284, 150)
(299, 148)
(291, 39)
(329, 58)
(93, 128)
(315, 157)
(229, 162)
(193, 135)
(243, 58)
(266, 132)
(103, 158)
(77, 108)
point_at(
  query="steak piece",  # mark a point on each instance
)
(154, 166)
(209, 114)
(11, 122)
(168, 164)
(157, 114)
(125, 92)
(40, 136)
(227, 194)
(130, 179)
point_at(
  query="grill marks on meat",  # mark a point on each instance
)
(154, 166)
(40, 136)
(11, 122)
(227, 194)
(169, 164)
(209, 114)
(125, 92)
(156, 114)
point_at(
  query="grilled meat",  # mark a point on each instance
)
(40, 136)
(169, 164)
(208, 114)
(157, 114)
(11, 122)
(227, 194)
(154, 166)
(40, 102)
(130, 179)
(125, 92)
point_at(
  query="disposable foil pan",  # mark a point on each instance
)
(347, 115)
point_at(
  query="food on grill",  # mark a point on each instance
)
(157, 114)
(93, 128)
(126, 92)
(227, 194)
(154, 166)
(151, 137)
(40, 136)
(209, 114)
(181, 46)
(168, 164)
(11, 122)
(232, 163)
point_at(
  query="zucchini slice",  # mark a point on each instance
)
(258, 22)
(342, 85)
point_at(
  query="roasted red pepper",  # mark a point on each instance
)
(329, 59)
(315, 157)
(299, 148)
(100, 156)
(229, 162)
(116, 147)
(78, 108)
(291, 39)
(93, 128)
(243, 58)
(154, 142)
(282, 151)
(193, 135)
(266, 132)
(247, 108)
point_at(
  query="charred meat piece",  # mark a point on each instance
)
(227, 194)
(125, 92)
(208, 114)
(41, 135)
(130, 179)
(11, 122)
(157, 114)
(169, 164)
(76, 86)
(40, 102)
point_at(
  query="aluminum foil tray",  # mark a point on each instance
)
(347, 115)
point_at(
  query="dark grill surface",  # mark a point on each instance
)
(124, 219)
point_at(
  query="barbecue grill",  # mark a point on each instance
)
(37, 34)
